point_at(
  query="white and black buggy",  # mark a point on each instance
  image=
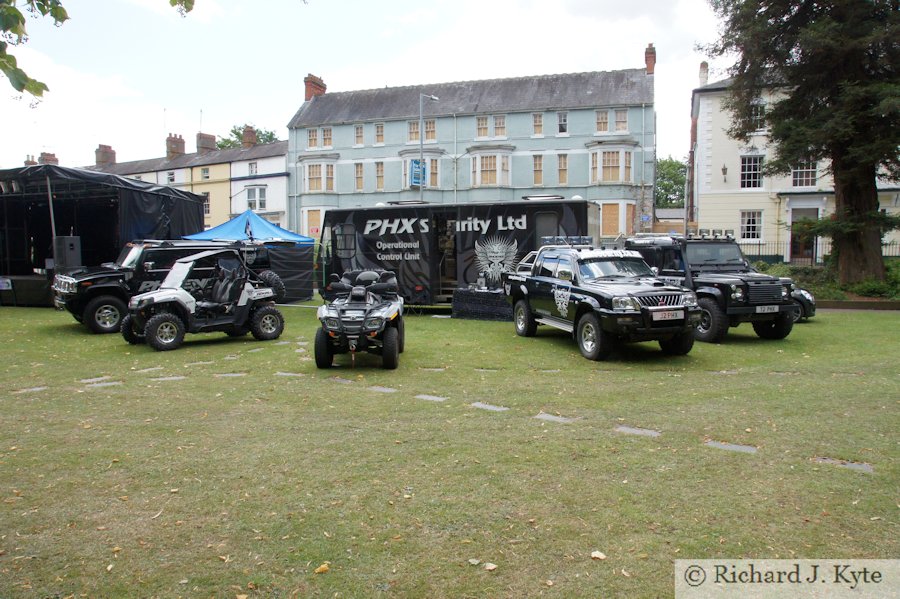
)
(364, 313)
(237, 302)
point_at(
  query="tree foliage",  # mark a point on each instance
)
(13, 33)
(236, 136)
(833, 67)
(671, 175)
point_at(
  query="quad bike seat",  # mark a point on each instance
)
(227, 288)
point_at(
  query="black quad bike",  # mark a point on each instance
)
(236, 303)
(365, 314)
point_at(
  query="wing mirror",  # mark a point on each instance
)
(564, 275)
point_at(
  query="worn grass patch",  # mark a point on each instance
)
(219, 485)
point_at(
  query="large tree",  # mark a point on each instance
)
(13, 33)
(236, 136)
(833, 67)
(671, 175)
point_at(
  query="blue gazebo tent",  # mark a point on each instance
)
(250, 226)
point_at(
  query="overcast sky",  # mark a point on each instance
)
(126, 73)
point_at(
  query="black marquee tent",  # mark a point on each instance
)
(98, 212)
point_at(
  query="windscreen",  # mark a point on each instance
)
(714, 253)
(600, 268)
(128, 257)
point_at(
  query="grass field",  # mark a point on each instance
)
(234, 467)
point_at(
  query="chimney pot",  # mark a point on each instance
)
(206, 143)
(104, 155)
(314, 86)
(48, 158)
(704, 73)
(650, 59)
(174, 146)
(248, 137)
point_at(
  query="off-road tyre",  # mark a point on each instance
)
(678, 345)
(104, 313)
(777, 328)
(713, 322)
(129, 333)
(593, 342)
(524, 319)
(401, 334)
(164, 331)
(798, 314)
(266, 323)
(390, 349)
(271, 279)
(324, 355)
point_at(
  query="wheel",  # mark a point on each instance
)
(594, 343)
(271, 279)
(164, 331)
(132, 335)
(237, 331)
(104, 313)
(679, 345)
(324, 355)
(525, 323)
(778, 328)
(798, 312)
(266, 323)
(713, 321)
(390, 348)
(401, 334)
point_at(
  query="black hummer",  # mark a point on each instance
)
(728, 289)
(603, 297)
(98, 296)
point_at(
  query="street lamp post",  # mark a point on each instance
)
(422, 98)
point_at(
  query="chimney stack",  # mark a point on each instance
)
(48, 158)
(30, 161)
(704, 73)
(206, 143)
(314, 86)
(104, 155)
(174, 146)
(650, 58)
(248, 137)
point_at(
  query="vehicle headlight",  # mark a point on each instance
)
(625, 303)
(144, 302)
(374, 322)
(785, 291)
(807, 295)
(332, 323)
(689, 299)
(737, 293)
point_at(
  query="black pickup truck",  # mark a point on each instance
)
(603, 297)
(728, 289)
(97, 296)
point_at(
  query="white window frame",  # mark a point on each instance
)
(621, 120)
(358, 135)
(253, 168)
(327, 170)
(204, 173)
(499, 124)
(562, 124)
(604, 121)
(751, 171)
(752, 225)
(537, 124)
(412, 131)
(379, 134)
(562, 169)
(624, 165)
(804, 174)
(537, 170)
(502, 168)
(312, 138)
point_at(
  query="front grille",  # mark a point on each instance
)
(660, 299)
(765, 293)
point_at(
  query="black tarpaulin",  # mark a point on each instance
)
(294, 264)
(105, 211)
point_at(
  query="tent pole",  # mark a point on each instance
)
(52, 221)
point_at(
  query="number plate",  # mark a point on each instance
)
(668, 315)
(766, 309)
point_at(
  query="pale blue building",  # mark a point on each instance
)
(591, 135)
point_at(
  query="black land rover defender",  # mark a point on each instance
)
(98, 296)
(728, 289)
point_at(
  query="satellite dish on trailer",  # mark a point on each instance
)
(577, 197)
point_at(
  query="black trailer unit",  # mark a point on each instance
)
(437, 248)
